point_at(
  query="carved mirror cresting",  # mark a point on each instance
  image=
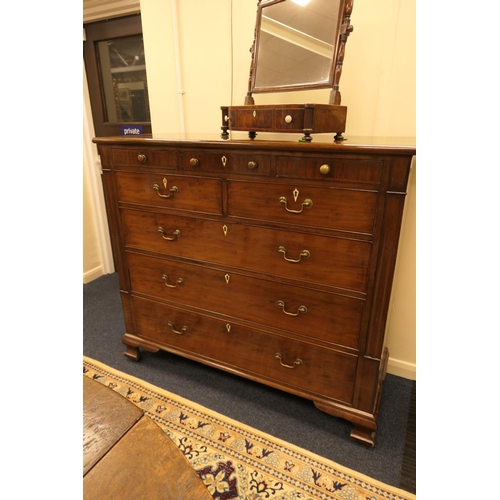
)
(298, 45)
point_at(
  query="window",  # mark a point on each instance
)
(115, 64)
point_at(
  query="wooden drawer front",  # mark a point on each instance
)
(332, 261)
(325, 207)
(251, 164)
(289, 119)
(339, 170)
(330, 317)
(168, 191)
(322, 371)
(144, 158)
(251, 119)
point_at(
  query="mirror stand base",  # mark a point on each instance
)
(285, 118)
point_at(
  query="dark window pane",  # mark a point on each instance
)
(122, 72)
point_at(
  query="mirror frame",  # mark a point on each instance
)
(344, 28)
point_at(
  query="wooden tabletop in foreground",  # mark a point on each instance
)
(126, 456)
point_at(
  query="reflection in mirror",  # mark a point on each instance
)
(123, 79)
(295, 44)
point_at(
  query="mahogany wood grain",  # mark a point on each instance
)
(345, 210)
(262, 271)
(332, 317)
(323, 370)
(189, 193)
(253, 247)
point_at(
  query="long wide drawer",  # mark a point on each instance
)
(307, 367)
(330, 317)
(170, 191)
(329, 260)
(325, 207)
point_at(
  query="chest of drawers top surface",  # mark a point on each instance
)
(274, 142)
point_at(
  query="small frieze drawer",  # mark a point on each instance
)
(252, 164)
(251, 118)
(170, 191)
(289, 119)
(330, 168)
(272, 358)
(134, 157)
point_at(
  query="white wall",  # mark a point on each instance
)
(214, 38)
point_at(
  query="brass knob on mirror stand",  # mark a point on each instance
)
(324, 169)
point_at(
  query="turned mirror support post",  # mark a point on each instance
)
(345, 30)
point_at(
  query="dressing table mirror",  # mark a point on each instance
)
(298, 45)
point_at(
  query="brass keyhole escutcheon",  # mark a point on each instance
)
(224, 161)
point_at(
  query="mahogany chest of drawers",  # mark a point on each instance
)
(272, 260)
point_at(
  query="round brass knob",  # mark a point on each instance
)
(288, 119)
(194, 162)
(252, 165)
(325, 169)
(142, 158)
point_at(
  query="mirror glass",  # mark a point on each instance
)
(295, 45)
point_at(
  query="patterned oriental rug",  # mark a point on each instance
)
(236, 461)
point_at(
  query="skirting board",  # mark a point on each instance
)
(402, 369)
(92, 275)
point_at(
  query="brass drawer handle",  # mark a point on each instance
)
(183, 330)
(180, 281)
(176, 234)
(172, 191)
(194, 162)
(297, 362)
(307, 203)
(252, 165)
(142, 158)
(300, 310)
(305, 253)
(324, 169)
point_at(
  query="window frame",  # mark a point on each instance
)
(96, 32)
